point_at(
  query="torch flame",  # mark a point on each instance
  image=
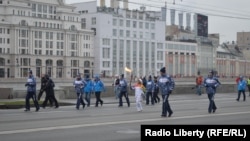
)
(127, 69)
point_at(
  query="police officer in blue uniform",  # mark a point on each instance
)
(123, 91)
(150, 90)
(211, 83)
(31, 92)
(166, 85)
(78, 84)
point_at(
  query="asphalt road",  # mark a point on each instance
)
(110, 123)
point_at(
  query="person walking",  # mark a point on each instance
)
(116, 86)
(248, 84)
(42, 89)
(139, 92)
(199, 81)
(241, 88)
(150, 91)
(166, 86)
(123, 91)
(88, 89)
(211, 83)
(31, 92)
(98, 88)
(78, 84)
(156, 91)
(50, 93)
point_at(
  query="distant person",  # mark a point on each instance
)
(144, 81)
(156, 91)
(237, 80)
(248, 84)
(88, 89)
(116, 86)
(78, 85)
(98, 89)
(123, 91)
(241, 88)
(150, 91)
(42, 89)
(50, 93)
(211, 83)
(199, 81)
(31, 92)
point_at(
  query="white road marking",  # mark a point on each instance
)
(112, 123)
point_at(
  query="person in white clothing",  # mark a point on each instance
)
(139, 92)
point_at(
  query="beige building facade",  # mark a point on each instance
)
(45, 37)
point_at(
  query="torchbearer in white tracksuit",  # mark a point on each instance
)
(139, 93)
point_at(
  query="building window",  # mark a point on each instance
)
(114, 32)
(134, 24)
(141, 25)
(114, 22)
(121, 33)
(127, 23)
(127, 33)
(83, 24)
(93, 20)
(121, 22)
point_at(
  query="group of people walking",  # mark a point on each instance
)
(144, 89)
(84, 87)
(47, 86)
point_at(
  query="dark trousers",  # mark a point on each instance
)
(125, 94)
(50, 97)
(40, 95)
(248, 89)
(150, 96)
(27, 100)
(211, 105)
(88, 97)
(239, 93)
(98, 98)
(165, 105)
(156, 97)
(79, 101)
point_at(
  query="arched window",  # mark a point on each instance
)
(49, 67)
(59, 63)
(23, 23)
(59, 68)
(86, 64)
(49, 62)
(73, 27)
(38, 62)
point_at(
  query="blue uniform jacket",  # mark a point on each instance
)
(31, 84)
(78, 84)
(123, 85)
(150, 86)
(166, 84)
(211, 84)
(242, 85)
(88, 85)
(98, 86)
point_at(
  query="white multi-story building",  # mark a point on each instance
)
(44, 36)
(134, 39)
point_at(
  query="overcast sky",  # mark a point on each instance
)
(226, 17)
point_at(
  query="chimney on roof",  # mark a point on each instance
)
(114, 3)
(125, 4)
(102, 3)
